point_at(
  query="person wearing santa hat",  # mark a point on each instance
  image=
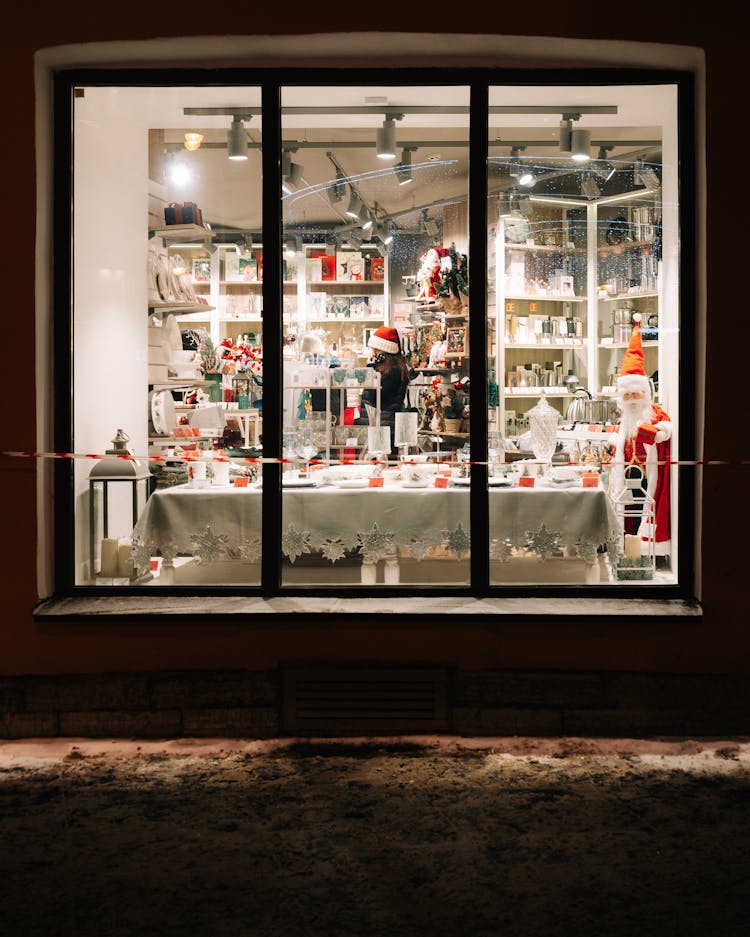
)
(643, 444)
(395, 374)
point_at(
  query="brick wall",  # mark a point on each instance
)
(245, 704)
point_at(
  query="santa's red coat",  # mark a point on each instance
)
(635, 451)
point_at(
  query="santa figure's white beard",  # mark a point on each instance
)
(634, 412)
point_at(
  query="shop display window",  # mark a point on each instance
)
(413, 335)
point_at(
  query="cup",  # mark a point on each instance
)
(220, 473)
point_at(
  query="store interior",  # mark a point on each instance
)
(376, 236)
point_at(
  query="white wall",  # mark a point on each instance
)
(109, 292)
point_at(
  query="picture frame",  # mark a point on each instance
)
(201, 270)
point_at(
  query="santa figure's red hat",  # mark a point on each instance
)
(633, 369)
(386, 339)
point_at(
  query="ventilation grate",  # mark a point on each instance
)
(364, 701)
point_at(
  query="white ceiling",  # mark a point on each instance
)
(230, 193)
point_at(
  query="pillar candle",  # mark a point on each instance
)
(632, 547)
(109, 557)
(125, 568)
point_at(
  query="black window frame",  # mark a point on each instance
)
(271, 81)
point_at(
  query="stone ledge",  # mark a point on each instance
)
(216, 607)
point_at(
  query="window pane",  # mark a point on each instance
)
(376, 336)
(168, 334)
(583, 314)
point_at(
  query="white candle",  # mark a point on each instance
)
(632, 547)
(125, 568)
(109, 557)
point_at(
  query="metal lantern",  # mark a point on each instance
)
(119, 468)
(635, 509)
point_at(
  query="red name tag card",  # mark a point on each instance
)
(590, 481)
(526, 481)
(376, 482)
(241, 482)
(441, 481)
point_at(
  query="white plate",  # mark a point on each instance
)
(352, 482)
(172, 333)
(424, 484)
(300, 483)
(163, 414)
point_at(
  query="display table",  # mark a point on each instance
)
(219, 523)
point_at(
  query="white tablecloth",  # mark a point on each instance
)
(225, 522)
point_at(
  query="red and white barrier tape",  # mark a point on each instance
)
(258, 460)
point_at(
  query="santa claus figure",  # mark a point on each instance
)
(643, 448)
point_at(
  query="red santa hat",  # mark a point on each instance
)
(633, 369)
(386, 339)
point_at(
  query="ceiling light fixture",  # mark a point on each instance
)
(580, 145)
(589, 186)
(523, 174)
(385, 138)
(388, 236)
(355, 206)
(291, 173)
(365, 218)
(179, 172)
(193, 140)
(429, 224)
(403, 169)
(644, 174)
(237, 140)
(566, 131)
(604, 168)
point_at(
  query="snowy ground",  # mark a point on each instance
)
(359, 837)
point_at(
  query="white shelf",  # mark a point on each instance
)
(626, 344)
(181, 307)
(619, 297)
(568, 346)
(538, 391)
(344, 283)
(183, 232)
(546, 299)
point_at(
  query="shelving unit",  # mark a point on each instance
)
(583, 281)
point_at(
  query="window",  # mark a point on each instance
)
(412, 333)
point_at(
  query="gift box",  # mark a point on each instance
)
(187, 213)
(647, 434)
(173, 213)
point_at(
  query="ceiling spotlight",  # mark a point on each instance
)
(237, 140)
(580, 145)
(366, 219)
(430, 225)
(604, 168)
(566, 130)
(354, 239)
(522, 174)
(355, 206)
(589, 186)
(291, 246)
(403, 169)
(386, 139)
(644, 174)
(291, 173)
(193, 140)
(338, 190)
(388, 236)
